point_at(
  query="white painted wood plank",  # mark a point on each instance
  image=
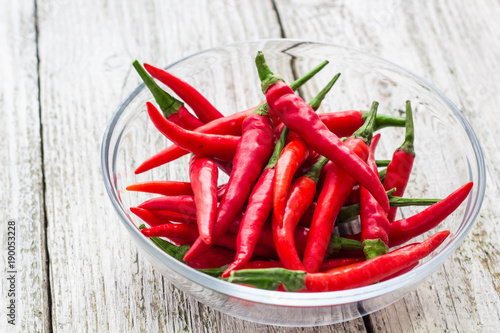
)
(21, 198)
(99, 280)
(456, 47)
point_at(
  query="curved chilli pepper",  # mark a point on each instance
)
(301, 119)
(230, 125)
(200, 105)
(148, 217)
(299, 198)
(183, 204)
(222, 147)
(329, 264)
(336, 188)
(203, 173)
(190, 233)
(403, 230)
(399, 169)
(348, 277)
(344, 123)
(173, 216)
(259, 264)
(254, 150)
(214, 258)
(294, 154)
(349, 213)
(374, 223)
(172, 108)
(165, 187)
(258, 209)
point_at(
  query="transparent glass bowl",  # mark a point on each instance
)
(448, 156)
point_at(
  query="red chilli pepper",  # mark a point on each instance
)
(301, 119)
(254, 150)
(336, 188)
(148, 217)
(292, 157)
(399, 169)
(403, 230)
(174, 217)
(299, 198)
(190, 233)
(165, 187)
(172, 108)
(200, 105)
(230, 125)
(329, 264)
(203, 174)
(183, 204)
(257, 211)
(352, 276)
(374, 223)
(218, 146)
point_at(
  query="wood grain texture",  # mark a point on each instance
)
(21, 197)
(456, 47)
(99, 281)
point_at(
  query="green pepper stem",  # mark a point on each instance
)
(215, 272)
(383, 121)
(300, 81)
(266, 76)
(280, 144)
(316, 101)
(382, 163)
(315, 171)
(270, 278)
(349, 213)
(407, 145)
(365, 132)
(338, 244)
(177, 252)
(374, 248)
(167, 103)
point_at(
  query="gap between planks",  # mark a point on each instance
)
(45, 255)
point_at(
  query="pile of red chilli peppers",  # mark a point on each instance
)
(294, 175)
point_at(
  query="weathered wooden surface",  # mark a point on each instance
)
(21, 197)
(98, 280)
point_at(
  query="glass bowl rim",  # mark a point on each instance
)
(300, 299)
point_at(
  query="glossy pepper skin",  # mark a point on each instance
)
(215, 257)
(403, 230)
(301, 119)
(258, 209)
(203, 173)
(205, 111)
(165, 187)
(218, 146)
(375, 225)
(183, 204)
(172, 108)
(230, 125)
(294, 154)
(347, 277)
(399, 169)
(300, 196)
(336, 188)
(189, 233)
(253, 152)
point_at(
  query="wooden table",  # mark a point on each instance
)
(65, 66)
